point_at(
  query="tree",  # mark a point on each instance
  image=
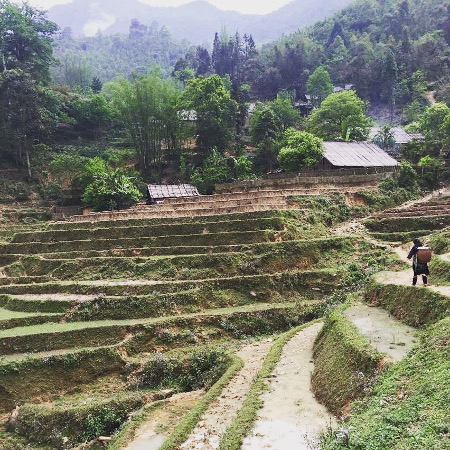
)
(26, 40)
(270, 119)
(147, 106)
(319, 85)
(215, 109)
(96, 85)
(299, 149)
(432, 123)
(91, 111)
(22, 120)
(385, 138)
(340, 117)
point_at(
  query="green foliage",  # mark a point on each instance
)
(300, 149)
(409, 403)
(111, 190)
(428, 161)
(243, 168)
(406, 178)
(83, 58)
(435, 123)
(385, 138)
(345, 364)
(147, 107)
(26, 40)
(194, 370)
(214, 170)
(340, 117)
(270, 119)
(91, 112)
(215, 110)
(319, 85)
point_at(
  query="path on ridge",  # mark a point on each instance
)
(291, 418)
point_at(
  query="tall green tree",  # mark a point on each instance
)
(215, 110)
(147, 107)
(319, 85)
(22, 120)
(26, 40)
(299, 149)
(340, 117)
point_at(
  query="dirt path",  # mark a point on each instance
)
(148, 436)
(291, 417)
(404, 278)
(384, 333)
(221, 412)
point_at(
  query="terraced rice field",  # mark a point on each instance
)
(104, 316)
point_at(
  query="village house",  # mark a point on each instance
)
(356, 155)
(157, 193)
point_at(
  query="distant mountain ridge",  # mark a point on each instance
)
(196, 21)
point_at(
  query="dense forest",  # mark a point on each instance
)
(180, 113)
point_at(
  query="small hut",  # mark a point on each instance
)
(352, 155)
(157, 193)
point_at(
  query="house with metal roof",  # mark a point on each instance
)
(399, 135)
(351, 155)
(159, 192)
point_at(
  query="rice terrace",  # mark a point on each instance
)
(224, 225)
(117, 322)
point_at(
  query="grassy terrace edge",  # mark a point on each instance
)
(345, 364)
(414, 305)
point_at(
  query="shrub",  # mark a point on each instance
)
(214, 170)
(300, 149)
(111, 190)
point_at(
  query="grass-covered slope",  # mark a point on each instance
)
(408, 407)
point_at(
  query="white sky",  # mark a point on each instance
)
(243, 6)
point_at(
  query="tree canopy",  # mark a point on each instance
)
(340, 117)
(147, 106)
(299, 149)
(215, 110)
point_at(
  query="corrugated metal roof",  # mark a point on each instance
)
(171, 190)
(357, 154)
(400, 135)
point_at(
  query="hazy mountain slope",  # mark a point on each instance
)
(196, 21)
(295, 15)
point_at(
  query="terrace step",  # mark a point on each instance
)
(150, 230)
(136, 221)
(225, 238)
(14, 319)
(322, 281)
(58, 336)
(263, 258)
(157, 212)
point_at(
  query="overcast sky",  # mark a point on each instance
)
(244, 6)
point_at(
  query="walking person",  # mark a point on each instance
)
(419, 268)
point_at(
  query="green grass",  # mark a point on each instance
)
(413, 305)
(408, 408)
(76, 326)
(345, 363)
(6, 314)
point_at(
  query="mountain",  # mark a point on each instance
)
(196, 21)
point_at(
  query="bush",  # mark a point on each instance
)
(300, 149)
(111, 190)
(243, 168)
(215, 170)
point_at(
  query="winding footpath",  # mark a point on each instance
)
(291, 418)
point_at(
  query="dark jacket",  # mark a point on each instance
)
(419, 268)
